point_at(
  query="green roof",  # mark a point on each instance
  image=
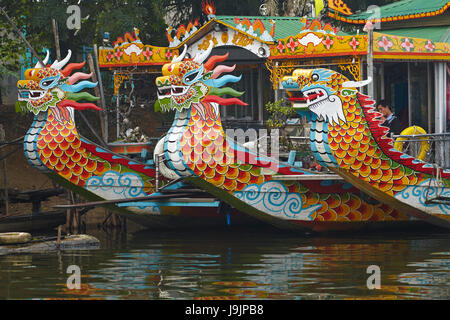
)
(404, 8)
(435, 34)
(284, 26)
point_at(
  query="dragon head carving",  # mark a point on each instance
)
(322, 91)
(52, 87)
(189, 83)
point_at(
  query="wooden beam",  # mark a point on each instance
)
(5, 173)
(97, 93)
(103, 143)
(56, 36)
(105, 133)
(370, 87)
(166, 197)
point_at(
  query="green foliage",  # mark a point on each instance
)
(20, 107)
(34, 19)
(279, 111)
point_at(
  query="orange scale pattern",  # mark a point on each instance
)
(355, 150)
(60, 149)
(346, 207)
(210, 156)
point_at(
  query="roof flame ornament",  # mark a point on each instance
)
(209, 9)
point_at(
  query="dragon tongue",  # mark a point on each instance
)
(314, 96)
(298, 98)
(310, 97)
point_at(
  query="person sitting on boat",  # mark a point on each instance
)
(390, 120)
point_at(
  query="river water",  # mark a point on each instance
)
(238, 264)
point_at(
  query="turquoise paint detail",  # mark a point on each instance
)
(143, 204)
(112, 184)
(289, 84)
(273, 197)
(176, 186)
(424, 191)
(78, 87)
(219, 82)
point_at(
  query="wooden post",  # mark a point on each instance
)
(5, 173)
(97, 93)
(58, 240)
(56, 35)
(370, 59)
(68, 220)
(118, 114)
(102, 97)
(114, 220)
(75, 222)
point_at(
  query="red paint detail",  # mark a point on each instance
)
(223, 101)
(209, 65)
(108, 156)
(77, 105)
(71, 66)
(386, 143)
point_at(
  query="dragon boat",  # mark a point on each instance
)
(54, 147)
(348, 137)
(197, 149)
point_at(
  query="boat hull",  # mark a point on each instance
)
(312, 221)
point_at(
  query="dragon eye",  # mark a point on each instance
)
(193, 75)
(49, 82)
(190, 77)
(315, 77)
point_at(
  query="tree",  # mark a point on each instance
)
(116, 17)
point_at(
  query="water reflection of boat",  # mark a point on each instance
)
(171, 265)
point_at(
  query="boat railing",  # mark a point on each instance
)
(438, 151)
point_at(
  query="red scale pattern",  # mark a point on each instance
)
(61, 150)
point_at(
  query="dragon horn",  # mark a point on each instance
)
(59, 64)
(38, 64)
(202, 57)
(181, 56)
(356, 84)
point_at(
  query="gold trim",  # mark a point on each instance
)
(119, 78)
(280, 68)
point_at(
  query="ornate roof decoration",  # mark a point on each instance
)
(128, 38)
(256, 28)
(285, 37)
(209, 9)
(339, 6)
(388, 46)
(182, 33)
(397, 11)
(129, 51)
